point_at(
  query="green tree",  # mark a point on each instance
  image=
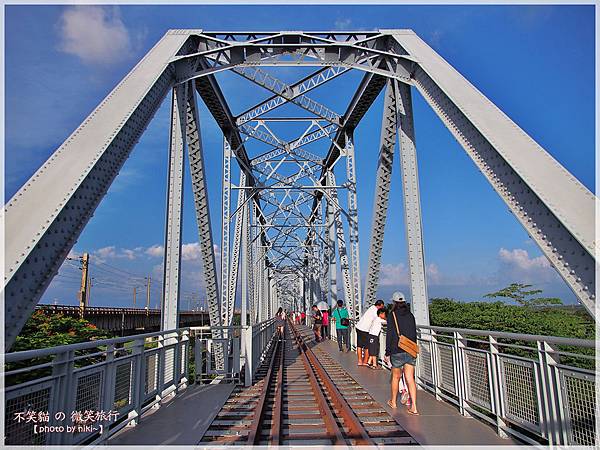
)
(519, 294)
(44, 330)
(566, 321)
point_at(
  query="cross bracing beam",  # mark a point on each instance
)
(201, 205)
(383, 178)
(555, 209)
(365, 95)
(282, 89)
(301, 87)
(294, 50)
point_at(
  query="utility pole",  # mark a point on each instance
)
(148, 295)
(83, 291)
(134, 296)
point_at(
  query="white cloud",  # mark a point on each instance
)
(190, 252)
(397, 274)
(517, 266)
(156, 251)
(106, 252)
(393, 275)
(520, 258)
(95, 34)
(433, 274)
(112, 252)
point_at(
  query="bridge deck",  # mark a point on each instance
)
(438, 423)
(186, 419)
(182, 421)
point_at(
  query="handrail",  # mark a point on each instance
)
(522, 337)
(38, 353)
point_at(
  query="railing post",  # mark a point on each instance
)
(555, 420)
(496, 389)
(182, 370)
(460, 343)
(236, 355)
(198, 344)
(161, 355)
(249, 366)
(435, 373)
(139, 381)
(107, 403)
(64, 387)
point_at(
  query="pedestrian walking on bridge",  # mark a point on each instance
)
(401, 350)
(339, 316)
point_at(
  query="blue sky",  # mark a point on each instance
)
(535, 62)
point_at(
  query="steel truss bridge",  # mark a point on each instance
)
(289, 181)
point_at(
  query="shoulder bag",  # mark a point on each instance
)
(404, 343)
(344, 321)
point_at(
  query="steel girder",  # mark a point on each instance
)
(237, 245)
(74, 180)
(172, 259)
(201, 206)
(387, 144)
(353, 226)
(412, 207)
(331, 258)
(225, 228)
(553, 206)
(341, 244)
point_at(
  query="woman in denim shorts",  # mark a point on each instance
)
(401, 362)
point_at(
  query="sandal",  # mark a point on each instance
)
(413, 413)
(375, 367)
(389, 403)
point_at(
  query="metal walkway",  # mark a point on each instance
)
(205, 415)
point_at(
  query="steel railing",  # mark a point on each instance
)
(539, 389)
(245, 346)
(92, 389)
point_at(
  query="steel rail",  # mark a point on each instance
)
(333, 428)
(259, 411)
(276, 418)
(356, 428)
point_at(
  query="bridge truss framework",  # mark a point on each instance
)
(295, 219)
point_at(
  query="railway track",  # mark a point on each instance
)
(303, 397)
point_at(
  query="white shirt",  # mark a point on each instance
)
(376, 326)
(367, 319)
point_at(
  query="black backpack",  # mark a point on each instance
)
(319, 319)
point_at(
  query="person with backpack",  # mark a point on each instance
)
(317, 318)
(401, 350)
(342, 321)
